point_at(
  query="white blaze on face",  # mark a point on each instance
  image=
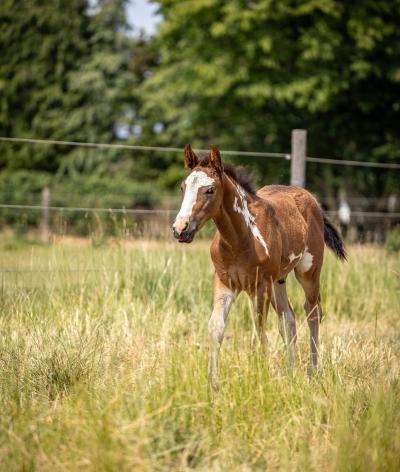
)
(306, 261)
(248, 217)
(194, 182)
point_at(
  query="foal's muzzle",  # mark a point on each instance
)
(184, 233)
(185, 237)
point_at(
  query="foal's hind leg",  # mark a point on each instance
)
(223, 298)
(261, 305)
(312, 306)
(286, 319)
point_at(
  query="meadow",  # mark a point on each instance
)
(103, 366)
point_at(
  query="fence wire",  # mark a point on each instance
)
(140, 148)
(279, 155)
(138, 211)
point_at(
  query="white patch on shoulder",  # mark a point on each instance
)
(194, 182)
(248, 217)
(305, 262)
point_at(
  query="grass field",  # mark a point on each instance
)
(103, 366)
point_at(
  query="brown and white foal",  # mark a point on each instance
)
(261, 237)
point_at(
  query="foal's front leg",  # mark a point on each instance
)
(223, 298)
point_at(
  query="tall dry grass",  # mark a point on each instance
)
(103, 366)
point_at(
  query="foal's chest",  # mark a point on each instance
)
(241, 270)
(240, 276)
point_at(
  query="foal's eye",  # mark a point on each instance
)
(210, 191)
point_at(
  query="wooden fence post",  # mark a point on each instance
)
(45, 215)
(298, 158)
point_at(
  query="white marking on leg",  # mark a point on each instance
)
(194, 182)
(249, 219)
(305, 262)
(216, 326)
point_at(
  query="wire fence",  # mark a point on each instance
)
(34, 195)
(136, 211)
(384, 213)
(169, 212)
(155, 224)
(132, 147)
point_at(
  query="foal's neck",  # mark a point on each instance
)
(231, 219)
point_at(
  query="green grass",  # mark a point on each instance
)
(106, 369)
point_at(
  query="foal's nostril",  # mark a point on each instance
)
(178, 228)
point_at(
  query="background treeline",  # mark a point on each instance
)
(237, 73)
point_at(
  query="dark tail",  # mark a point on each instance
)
(333, 240)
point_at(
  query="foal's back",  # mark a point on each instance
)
(299, 216)
(287, 200)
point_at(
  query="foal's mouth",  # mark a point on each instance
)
(186, 237)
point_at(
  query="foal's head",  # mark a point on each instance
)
(202, 193)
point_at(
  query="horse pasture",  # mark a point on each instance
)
(103, 366)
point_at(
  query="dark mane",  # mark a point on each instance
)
(242, 175)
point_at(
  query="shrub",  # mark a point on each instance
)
(393, 240)
(88, 191)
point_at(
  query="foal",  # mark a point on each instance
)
(261, 237)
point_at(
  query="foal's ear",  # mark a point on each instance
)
(191, 160)
(215, 159)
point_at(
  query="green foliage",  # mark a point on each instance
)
(240, 74)
(172, 175)
(78, 190)
(69, 71)
(41, 47)
(243, 74)
(393, 240)
(64, 76)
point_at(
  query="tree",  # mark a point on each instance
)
(244, 73)
(40, 45)
(67, 72)
(98, 88)
(63, 76)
